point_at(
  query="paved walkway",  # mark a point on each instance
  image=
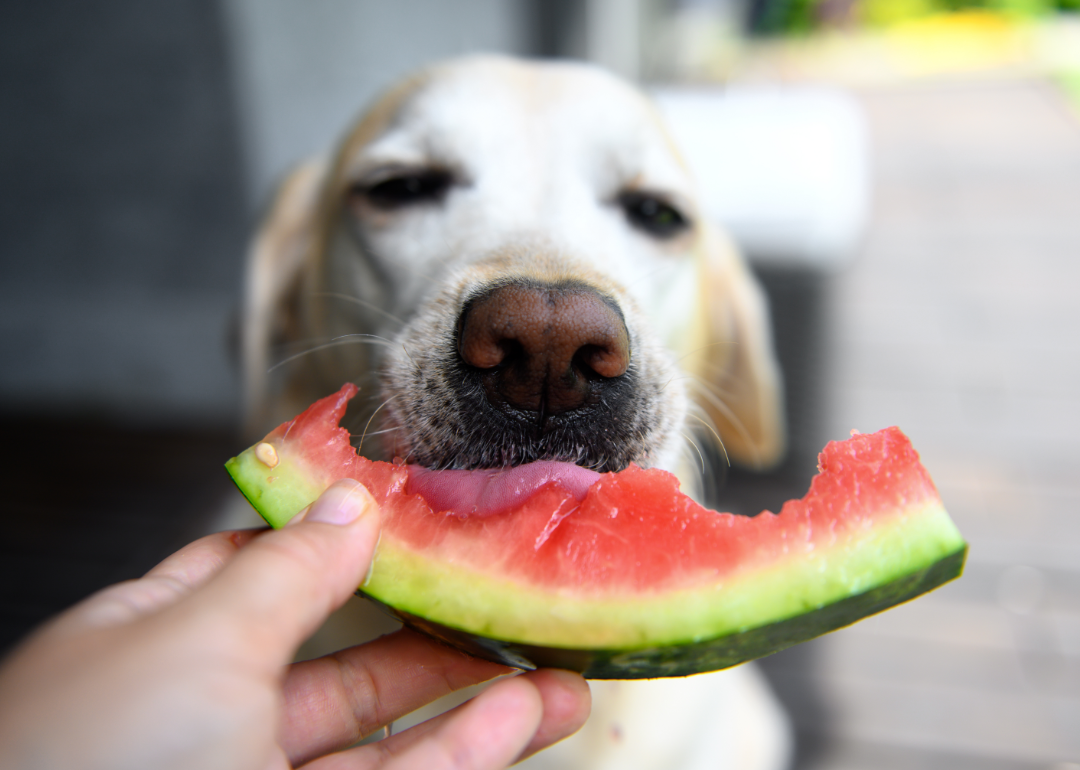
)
(961, 323)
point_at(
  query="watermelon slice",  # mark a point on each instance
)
(620, 575)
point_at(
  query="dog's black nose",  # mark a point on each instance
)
(542, 346)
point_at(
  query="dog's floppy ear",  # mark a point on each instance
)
(739, 386)
(274, 271)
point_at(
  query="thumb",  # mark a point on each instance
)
(282, 586)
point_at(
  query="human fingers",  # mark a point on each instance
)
(169, 581)
(567, 702)
(566, 699)
(487, 733)
(197, 562)
(281, 586)
(336, 700)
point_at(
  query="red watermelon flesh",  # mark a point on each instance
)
(620, 574)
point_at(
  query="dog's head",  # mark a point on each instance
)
(509, 259)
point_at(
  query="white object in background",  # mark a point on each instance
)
(784, 170)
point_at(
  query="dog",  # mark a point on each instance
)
(507, 257)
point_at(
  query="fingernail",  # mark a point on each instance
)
(342, 503)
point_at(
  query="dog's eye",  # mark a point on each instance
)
(408, 189)
(653, 215)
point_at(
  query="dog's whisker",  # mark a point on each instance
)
(712, 429)
(600, 462)
(405, 350)
(694, 444)
(363, 435)
(712, 389)
(700, 384)
(697, 413)
(703, 386)
(678, 375)
(729, 413)
(345, 339)
(694, 382)
(384, 430)
(362, 303)
(700, 348)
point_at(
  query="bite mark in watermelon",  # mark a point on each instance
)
(620, 575)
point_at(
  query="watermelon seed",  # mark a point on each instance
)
(266, 454)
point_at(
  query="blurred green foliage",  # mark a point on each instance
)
(798, 17)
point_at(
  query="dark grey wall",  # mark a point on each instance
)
(122, 220)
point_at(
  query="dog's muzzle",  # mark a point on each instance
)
(538, 371)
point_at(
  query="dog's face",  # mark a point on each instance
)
(522, 243)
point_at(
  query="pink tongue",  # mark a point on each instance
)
(487, 492)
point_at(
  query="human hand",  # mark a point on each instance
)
(187, 667)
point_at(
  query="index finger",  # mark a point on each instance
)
(280, 587)
(164, 585)
(197, 562)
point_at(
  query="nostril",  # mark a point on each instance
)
(540, 345)
(604, 361)
(480, 345)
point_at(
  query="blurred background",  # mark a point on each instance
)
(903, 174)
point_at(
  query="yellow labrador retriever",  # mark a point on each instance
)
(508, 259)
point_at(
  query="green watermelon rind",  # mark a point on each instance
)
(278, 493)
(455, 596)
(713, 654)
